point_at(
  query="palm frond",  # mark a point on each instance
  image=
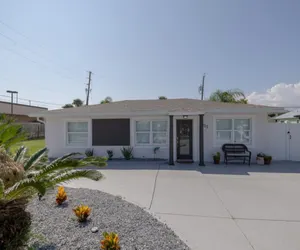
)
(55, 166)
(65, 163)
(23, 187)
(19, 155)
(10, 132)
(76, 174)
(34, 159)
(236, 93)
(1, 188)
(93, 161)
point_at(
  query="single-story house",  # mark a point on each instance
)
(289, 117)
(183, 129)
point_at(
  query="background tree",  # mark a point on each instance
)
(107, 99)
(77, 102)
(69, 105)
(231, 96)
(162, 98)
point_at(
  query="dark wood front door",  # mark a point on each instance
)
(184, 139)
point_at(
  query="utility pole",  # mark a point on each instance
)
(11, 92)
(88, 89)
(201, 87)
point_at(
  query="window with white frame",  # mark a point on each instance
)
(77, 134)
(151, 132)
(233, 131)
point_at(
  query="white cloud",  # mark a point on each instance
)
(281, 94)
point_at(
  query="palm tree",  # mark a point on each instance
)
(10, 132)
(22, 177)
(107, 99)
(38, 178)
(231, 96)
(162, 98)
(77, 102)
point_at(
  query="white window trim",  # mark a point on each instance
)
(251, 117)
(151, 133)
(66, 133)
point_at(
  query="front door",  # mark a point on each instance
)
(184, 139)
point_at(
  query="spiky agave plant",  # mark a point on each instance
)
(14, 220)
(37, 177)
(63, 169)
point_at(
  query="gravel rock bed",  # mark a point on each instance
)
(56, 227)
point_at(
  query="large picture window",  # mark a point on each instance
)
(151, 132)
(233, 131)
(77, 134)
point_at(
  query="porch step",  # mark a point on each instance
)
(185, 161)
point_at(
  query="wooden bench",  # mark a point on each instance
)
(233, 151)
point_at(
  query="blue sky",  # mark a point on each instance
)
(142, 49)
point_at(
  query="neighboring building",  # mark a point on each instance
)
(183, 129)
(20, 111)
(289, 117)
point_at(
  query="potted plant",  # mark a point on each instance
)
(267, 159)
(217, 157)
(260, 159)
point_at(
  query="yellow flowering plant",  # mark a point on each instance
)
(61, 195)
(82, 212)
(110, 241)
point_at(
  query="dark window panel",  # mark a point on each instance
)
(111, 132)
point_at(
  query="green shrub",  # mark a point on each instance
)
(89, 152)
(127, 152)
(14, 223)
(110, 154)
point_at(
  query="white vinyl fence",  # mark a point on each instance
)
(284, 141)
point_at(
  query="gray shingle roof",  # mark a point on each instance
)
(169, 105)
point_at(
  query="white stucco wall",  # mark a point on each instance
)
(56, 137)
(259, 133)
(56, 140)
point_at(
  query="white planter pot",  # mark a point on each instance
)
(260, 160)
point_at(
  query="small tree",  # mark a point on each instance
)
(162, 98)
(107, 99)
(77, 102)
(66, 106)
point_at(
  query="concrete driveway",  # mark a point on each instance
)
(214, 208)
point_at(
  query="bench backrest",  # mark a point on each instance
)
(234, 148)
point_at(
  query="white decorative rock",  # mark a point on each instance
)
(94, 229)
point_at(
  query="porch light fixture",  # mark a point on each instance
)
(185, 116)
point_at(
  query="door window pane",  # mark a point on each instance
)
(142, 126)
(242, 124)
(143, 138)
(224, 124)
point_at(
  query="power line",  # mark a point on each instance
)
(24, 99)
(32, 51)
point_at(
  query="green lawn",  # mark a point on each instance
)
(32, 146)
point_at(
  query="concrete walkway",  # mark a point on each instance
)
(214, 208)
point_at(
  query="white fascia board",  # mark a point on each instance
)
(244, 110)
(98, 114)
(187, 113)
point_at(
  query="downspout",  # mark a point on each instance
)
(39, 120)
